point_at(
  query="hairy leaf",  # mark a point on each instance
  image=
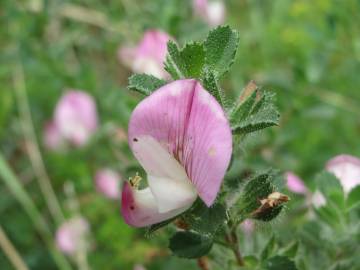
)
(252, 115)
(210, 84)
(280, 262)
(187, 62)
(220, 48)
(190, 244)
(144, 83)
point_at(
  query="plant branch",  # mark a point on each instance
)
(233, 241)
(32, 146)
(18, 191)
(11, 252)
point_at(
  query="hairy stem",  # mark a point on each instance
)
(233, 241)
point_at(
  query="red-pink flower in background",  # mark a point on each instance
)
(347, 169)
(149, 55)
(213, 12)
(182, 138)
(295, 184)
(71, 235)
(107, 182)
(76, 117)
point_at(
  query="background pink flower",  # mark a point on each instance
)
(295, 184)
(71, 235)
(108, 183)
(149, 55)
(347, 169)
(213, 12)
(76, 116)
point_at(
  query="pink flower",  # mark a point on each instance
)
(52, 137)
(182, 138)
(148, 57)
(71, 235)
(76, 116)
(295, 184)
(213, 12)
(247, 226)
(347, 169)
(108, 183)
(318, 199)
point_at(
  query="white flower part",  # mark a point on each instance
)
(167, 179)
(148, 66)
(318, 199)
(347, 171)
(216, 12)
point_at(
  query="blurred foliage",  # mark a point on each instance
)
(308, 52)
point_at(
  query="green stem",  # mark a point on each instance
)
(14, 185)
(11, 252)
(233, 242)
(32, 146)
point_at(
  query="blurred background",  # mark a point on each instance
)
(306, 51)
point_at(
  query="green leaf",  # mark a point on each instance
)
(280, 262)
(270, 249)
(187, 62)
(262, 114)
(144, 84)
(290, 250)
(205, 219)
(220, 49)
(353, 198)
(173, 63)
(210, 83)
(243, 110)
(190, 244)
(193, 57)
(331, 188)
(251, 261)
(153, 228)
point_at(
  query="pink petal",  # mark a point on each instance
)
(70, 236)
(213, 12)
(149, 56)
(108, 183)
(139, 207)
(76, 116)
(52, 137)
(186, 120)
(127, 55)
(295, 184)
(347, 169)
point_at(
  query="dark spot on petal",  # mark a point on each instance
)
(135, 139)
(132, 207)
